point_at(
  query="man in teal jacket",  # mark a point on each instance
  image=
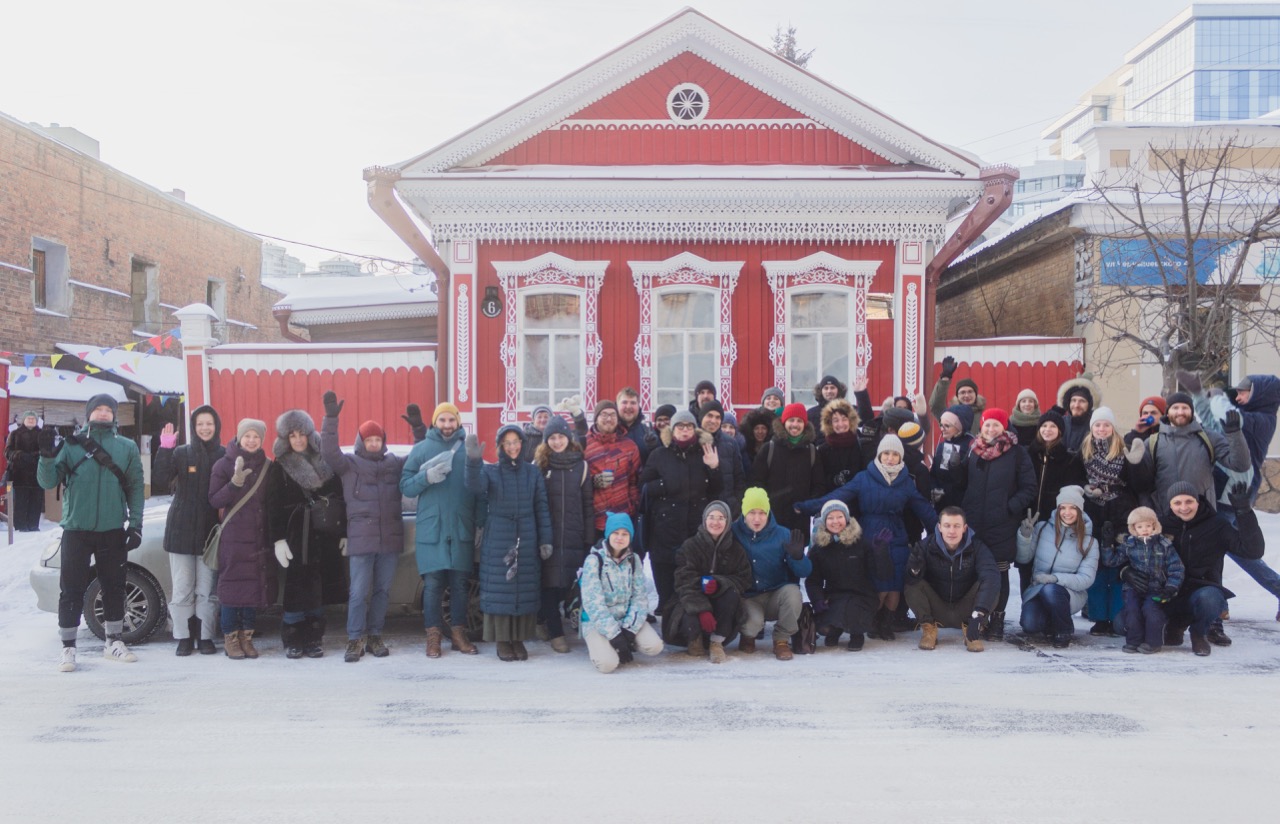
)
(101, 520)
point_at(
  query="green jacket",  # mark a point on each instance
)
(95, 499)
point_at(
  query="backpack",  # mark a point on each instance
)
(813, 455)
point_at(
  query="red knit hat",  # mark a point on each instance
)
(794, 410)
(994, 414)
(1156, 401)
(371, 429)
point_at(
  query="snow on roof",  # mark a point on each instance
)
(157, 374)
(1022, 223)
(340, 299)
(696, 171)
(48, 384)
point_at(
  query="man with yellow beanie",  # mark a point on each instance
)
(778, 563)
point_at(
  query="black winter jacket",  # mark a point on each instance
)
(571, 501)
(677, 485)
(789, 473)
(951, 576)
(187, 469)
(846, 564)
(997, 494)
(1204, 541)
(1054, 468)
(725, 559)
(22, 454)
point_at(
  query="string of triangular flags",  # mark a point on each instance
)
(163, 343)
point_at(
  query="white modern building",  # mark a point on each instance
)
(1212, 62)
(1044, 182)
(278, 263)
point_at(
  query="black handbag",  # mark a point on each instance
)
(805, 641)
(327, 513)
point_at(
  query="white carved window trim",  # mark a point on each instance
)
(682, 289)
(686, 269)
(549, 272)
(820, 270)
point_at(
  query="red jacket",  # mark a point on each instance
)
(616, 452)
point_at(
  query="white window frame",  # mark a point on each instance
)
(549, 272)
(688, 270)
(556, 392)
(821, 271)
(689, 380)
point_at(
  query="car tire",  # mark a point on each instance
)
(145, 608)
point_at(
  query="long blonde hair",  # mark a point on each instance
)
(1115, 446)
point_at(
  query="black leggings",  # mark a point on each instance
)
(549, 611)
(1003, 600)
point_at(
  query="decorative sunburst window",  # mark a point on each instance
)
(688, 103)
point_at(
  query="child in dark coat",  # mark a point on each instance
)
(846, 565)
(1152, 573)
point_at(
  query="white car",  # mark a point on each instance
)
(149, 582)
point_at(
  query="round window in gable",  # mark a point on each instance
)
(688, 103)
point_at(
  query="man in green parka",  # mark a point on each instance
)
(101, 520)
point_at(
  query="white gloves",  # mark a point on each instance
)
(342, 545)
(439, 467)
(1135, 451)
(283, 555)
(571, 404)
(545, 550)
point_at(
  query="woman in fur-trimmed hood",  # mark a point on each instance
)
(840, 453)
(314, 572)
(846, 566)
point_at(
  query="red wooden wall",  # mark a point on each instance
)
(369, 394)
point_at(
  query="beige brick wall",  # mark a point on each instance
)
(106, 219)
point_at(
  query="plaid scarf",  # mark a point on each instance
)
(990, 450)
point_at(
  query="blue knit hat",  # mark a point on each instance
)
(616, 521)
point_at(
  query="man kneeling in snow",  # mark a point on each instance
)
(952, 580)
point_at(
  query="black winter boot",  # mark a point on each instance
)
(292, 639)
(995, 627)
(313, 642)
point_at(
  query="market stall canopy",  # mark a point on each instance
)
(59, 396)
(147, 373)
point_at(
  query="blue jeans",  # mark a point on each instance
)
(1200, 609)
(237, 618)
(368, 612)
(1258, 570)
(433, 587)
(1048, 611)
(1144, 620)
(1105, 598)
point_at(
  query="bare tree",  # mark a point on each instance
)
(786, 47)
(1188, 236)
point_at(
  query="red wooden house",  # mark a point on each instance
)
(688, 206)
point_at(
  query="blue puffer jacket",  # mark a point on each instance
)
(614, 594)
(518, 522)
(1259, 421)
(771, 566)
(1074, 569)
(447, 513)
(881, 505)
(371, 489)
(1154, 556)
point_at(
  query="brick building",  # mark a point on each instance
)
(90, 254)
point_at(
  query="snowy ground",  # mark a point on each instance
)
(1089, 734)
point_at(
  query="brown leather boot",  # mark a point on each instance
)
(246, 643)
(747, 644)
(459, 642)
(231, 645)
(928, 636)
(782, 651)
(434, 637)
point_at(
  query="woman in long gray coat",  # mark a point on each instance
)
(246, 576)
(570, 495)
(517, 538)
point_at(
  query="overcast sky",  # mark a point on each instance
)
(266, 111)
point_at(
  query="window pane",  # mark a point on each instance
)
(552, 311)
(702, 359)
(815, 310)
(676, 310)
(568, 367)
(835, 355)
(803, 360)
(535, 372)
(668, 362)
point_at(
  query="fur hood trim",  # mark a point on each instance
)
(704, 437)
(780, 432)
(1085, 381)
(839, 405)
(851, 534)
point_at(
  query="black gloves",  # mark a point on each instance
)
(795, 546)
(622, 644)
(1108, 533)
(332, 406)
(132, 538)
(413, 416)
(948, 366)
(1135, 578)
(1238, 495)
(1231, 423)
(48, 440)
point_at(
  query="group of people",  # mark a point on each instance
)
(838, 501)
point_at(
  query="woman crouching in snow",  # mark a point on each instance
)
(615, 599)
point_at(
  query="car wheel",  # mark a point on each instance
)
(475, 618)
(144, 607)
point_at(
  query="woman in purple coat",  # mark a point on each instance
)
(246, 577)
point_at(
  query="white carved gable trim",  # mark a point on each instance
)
(820, 268)
(550, 269)
(686, 269)
(690, 31)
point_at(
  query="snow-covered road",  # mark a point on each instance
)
(1086, 734)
